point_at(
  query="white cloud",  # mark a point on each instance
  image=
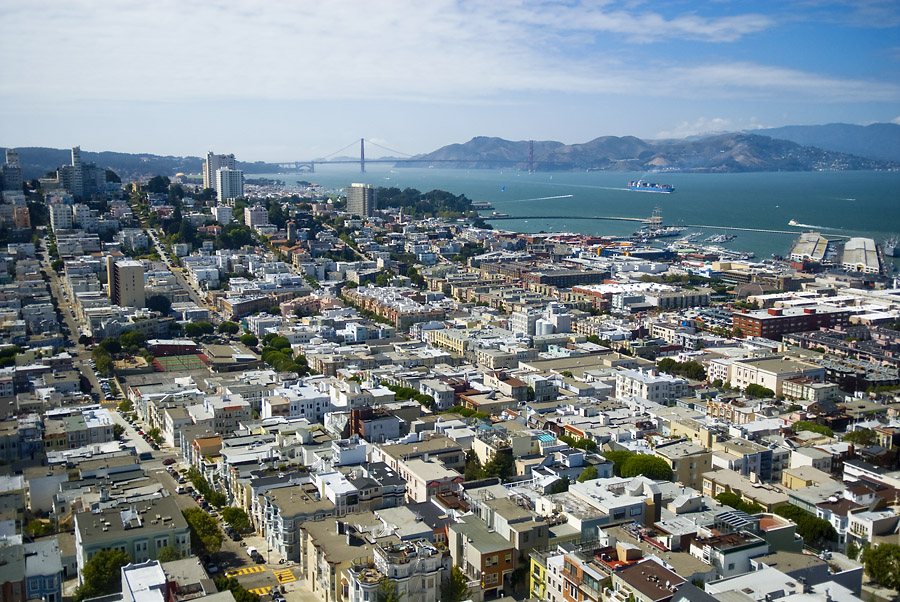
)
(695, 128)
(896, 120)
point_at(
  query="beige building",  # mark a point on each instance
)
(687, 460)
(126, 282)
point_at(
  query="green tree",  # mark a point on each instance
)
(168, 554)
(618, 458)
(229, 328)
(160, 304)
(118, 431)
(586, 445)
(206, 538)
(456, 587)
(588, 474)
(111, 345)
(279, 343)
(158, 184)
(806, 425)
(649, 466)
(473, 470)
(155, 434)
(501, 466)
(101, 575)
(126, 406)
(387, 591)
(852, 550)
(814, 531)
(732, 499)
(192, 330)
(237, 590)
(755, 390)
(57, 265)
(559, 486)
(38, 528)
(862, 437)
(250, 340)
(882, 564)
(237, 518)
(132, 338)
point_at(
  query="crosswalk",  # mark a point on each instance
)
(285, 576)
(245, 571)
(261, 591)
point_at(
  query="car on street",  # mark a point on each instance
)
(168, 461)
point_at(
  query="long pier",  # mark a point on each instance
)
(793, 232)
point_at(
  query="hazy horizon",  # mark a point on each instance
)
(285, 81)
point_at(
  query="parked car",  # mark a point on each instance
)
(235, 536)
(179, 489)
(168, 461)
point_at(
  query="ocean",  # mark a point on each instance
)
(835, 203)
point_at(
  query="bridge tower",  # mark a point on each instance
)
(530, 156)
(362, 155)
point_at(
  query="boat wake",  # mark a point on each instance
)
(799, 225)
(542, 198)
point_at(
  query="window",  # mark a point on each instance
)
(509, 557)
(730, 566)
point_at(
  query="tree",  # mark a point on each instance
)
(387, 591)
(586, 445)
(229, 328)
(126, 406)
(160, 304)
(158, 184)
(649, 466)
(279, 343)
(559, 486)
(168, 554)
(473, 470)
(206, 538)
(192, 330)
(501, 466)
(456, 587)
(732, 499)
(755, 390)
(237, 590)
(250, 340)
(38, 528)
(806, 425)
(111, 345)
(84, 340)
(154, 434)
(852, 550)
(57, 265)
(618, 457)
(862, 437)
(237, 518)
(814, 531)
(882, 564)
(118, 431)
(588, 474)
(132, 338)
(102, 575)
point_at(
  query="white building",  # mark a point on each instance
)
(256, 216)
(229, 184)
(223, 214)
(213, 164)
(60, 216)
(650, 384)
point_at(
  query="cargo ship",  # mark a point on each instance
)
(644, 186)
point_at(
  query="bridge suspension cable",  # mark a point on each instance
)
(387, 149)
(340, 150)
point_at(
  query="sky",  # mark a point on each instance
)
(286, 80)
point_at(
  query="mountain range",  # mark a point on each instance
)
(792, 148)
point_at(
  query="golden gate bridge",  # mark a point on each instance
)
(310, 166)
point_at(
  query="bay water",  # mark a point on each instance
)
(835, 203)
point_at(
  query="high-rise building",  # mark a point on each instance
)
(361, 200)
(213, 164)
(126, 282)
(11, 172)
(223, 214)
(60, 216)
(256, 216)
(77, 188)
(229, 184)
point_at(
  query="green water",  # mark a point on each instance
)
(835, 203)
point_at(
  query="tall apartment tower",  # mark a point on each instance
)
(77, 173)
(126, 282)
(361, 200)
(213, 164)
(229, 184)
(11, 172)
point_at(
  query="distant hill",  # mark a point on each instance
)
(733, 152)
(38, 161)
(877, 141)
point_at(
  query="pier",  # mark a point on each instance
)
(792, 232)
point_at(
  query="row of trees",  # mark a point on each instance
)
(501, 466)
(277, 353)
(405, 393)
(692, 370)
(215, 498)
(806, 425)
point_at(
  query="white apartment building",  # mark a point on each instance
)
(230, 185)
(650, 384)
(60, 216)
(256, 216)
(213, 164)
(223, 214)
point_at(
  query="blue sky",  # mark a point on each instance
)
(288, 80)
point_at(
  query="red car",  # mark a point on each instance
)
(168, 461)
